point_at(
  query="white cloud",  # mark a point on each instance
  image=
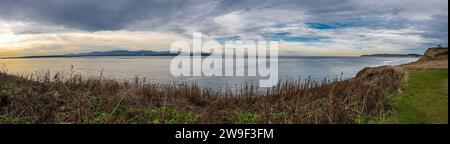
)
(383, 26)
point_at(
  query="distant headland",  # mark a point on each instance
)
(112, 53)
(392, 55)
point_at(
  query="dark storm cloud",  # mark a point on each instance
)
(437, 27)
(90, 15)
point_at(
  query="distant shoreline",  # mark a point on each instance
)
(203, 55)
(108, 54)
(81, 56)
(393, 55)
(105, 56)
(145, 53)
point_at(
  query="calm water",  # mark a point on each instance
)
(158, 68)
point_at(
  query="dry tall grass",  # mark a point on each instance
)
(70, 98)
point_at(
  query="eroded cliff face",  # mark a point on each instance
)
(434, 58)
(384, 72)
(435, 54)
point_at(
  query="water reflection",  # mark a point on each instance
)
(158, 68)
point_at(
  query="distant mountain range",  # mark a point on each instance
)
(392, 55)
(168, 53)
(115, 53)
(126, 53)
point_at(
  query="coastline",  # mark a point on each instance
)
(52, 99)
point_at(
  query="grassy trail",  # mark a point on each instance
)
(424, 100)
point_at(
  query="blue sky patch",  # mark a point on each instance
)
(322, 26)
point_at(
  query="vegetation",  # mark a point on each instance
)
(70, 98)
(372, 97)
(424, 99)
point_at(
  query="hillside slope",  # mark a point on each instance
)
(435, 54)
(424, 98)
(434, 58)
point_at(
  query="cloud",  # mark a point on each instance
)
(353, 26)
(79, 41)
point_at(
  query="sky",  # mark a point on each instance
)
(303, 27)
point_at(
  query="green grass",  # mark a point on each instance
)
(247, 117)
(424, 100)
(9, 120)
(384, 118)
(148, 116)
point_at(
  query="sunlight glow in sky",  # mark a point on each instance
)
(321, 27)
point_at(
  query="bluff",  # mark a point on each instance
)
(435, 54)
(433, 58)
